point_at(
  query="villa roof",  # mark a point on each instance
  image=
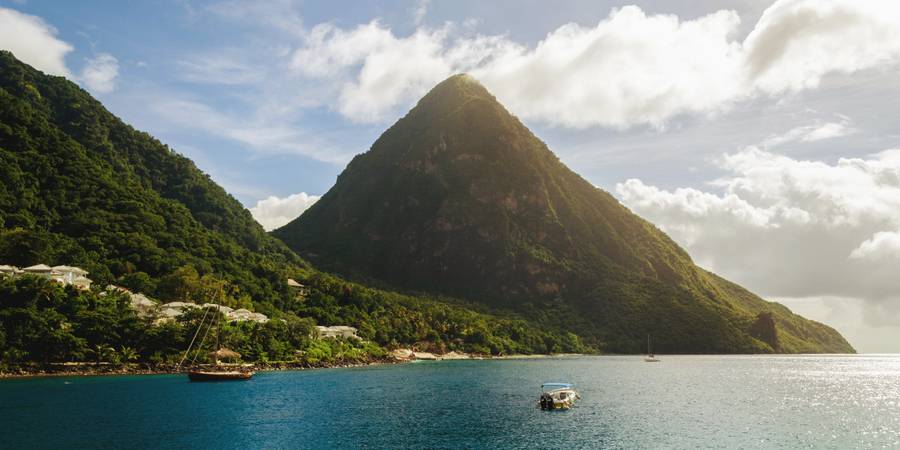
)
(5, 268)
(293, 283)
(72, 269)
(38, 268)
(180, 305)
(336, 328)
(226, 353)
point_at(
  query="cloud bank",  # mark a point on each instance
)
(812, 133)
(793, 228)
(274, 212)
(631, 68)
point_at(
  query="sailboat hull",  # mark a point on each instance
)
(203, 375)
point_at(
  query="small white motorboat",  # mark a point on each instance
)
(558, 396)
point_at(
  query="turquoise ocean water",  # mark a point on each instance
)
(683, 402)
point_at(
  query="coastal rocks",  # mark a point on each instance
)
(402, 354)
(456, 355)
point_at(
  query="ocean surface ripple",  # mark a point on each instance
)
(683, 402)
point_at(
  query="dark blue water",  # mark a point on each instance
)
(682, 402)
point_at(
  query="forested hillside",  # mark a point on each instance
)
(80, 187)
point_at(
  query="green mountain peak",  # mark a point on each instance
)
(460, 198)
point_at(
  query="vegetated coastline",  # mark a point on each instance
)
(92, 370)
(72, 369)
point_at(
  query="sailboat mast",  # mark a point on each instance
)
(218, 332)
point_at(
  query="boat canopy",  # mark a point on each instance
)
(557, 385)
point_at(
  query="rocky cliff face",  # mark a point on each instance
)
(765, 330)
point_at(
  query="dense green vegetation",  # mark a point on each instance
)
(42, 322)
(460, 198)
(431, 323)
(79, 187)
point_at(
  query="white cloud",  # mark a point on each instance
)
(274, 212)
(785, 227)
(811, 133)
(100, 73)
(631, 68)
(376, 71)
(33, 41)
(881, 246)
(797, 42)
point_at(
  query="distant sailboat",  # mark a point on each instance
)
(650, 356)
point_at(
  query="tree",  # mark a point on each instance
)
(127, 355)
(138, 282)
(182, 285)
(103, 353)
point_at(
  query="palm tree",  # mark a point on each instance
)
(103, 353)
(127, 355)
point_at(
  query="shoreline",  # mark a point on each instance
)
(93, 370)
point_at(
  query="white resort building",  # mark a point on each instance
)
(337, 331)
(171, 310)
(9, 271)
(66, 275)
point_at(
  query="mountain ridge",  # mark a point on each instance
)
(458, 197)
(80, 187)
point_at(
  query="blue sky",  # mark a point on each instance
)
(156, 41)
(758, 134)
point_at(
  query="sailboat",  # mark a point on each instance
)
(650, 356)
(217, 372)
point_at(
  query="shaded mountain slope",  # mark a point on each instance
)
(459, 197)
